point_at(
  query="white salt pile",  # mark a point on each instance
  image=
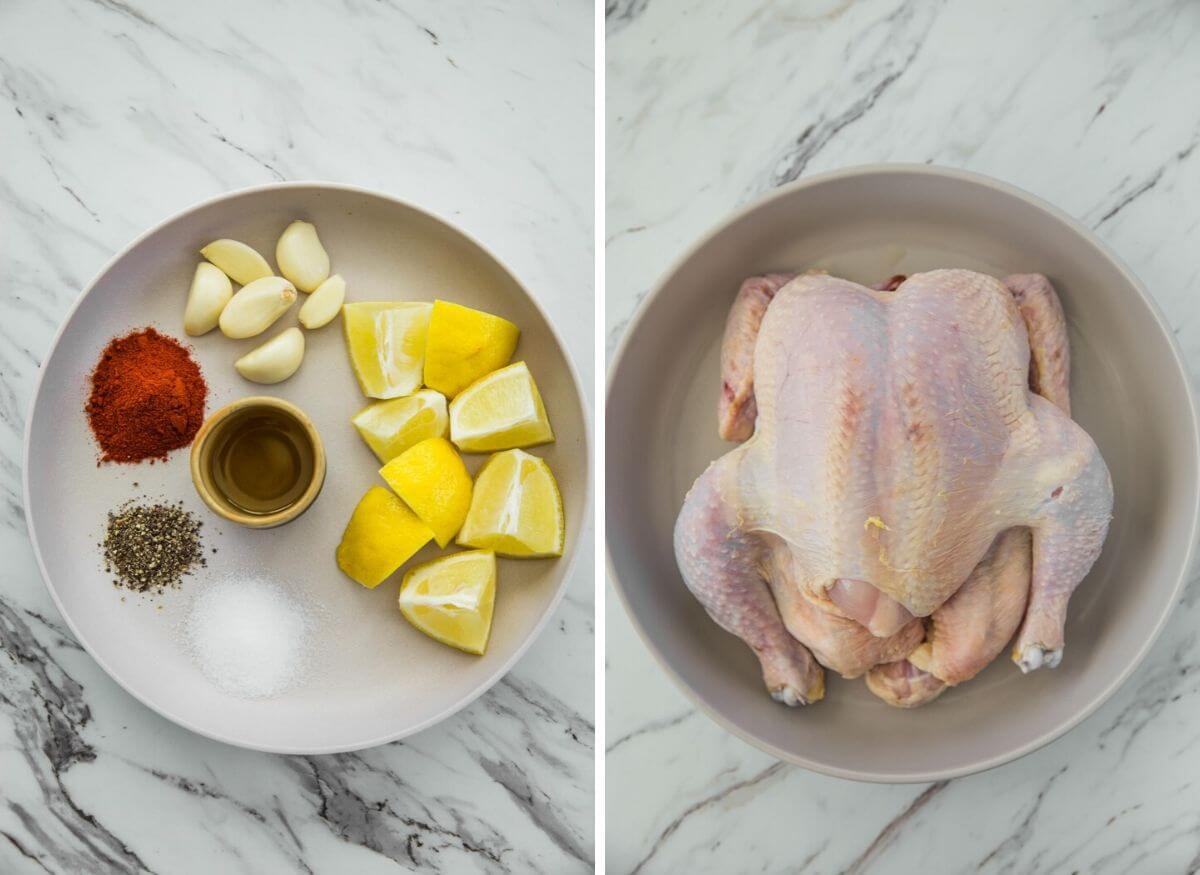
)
(249, 637)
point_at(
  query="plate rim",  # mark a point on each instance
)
(484, 685)
(1189, 559)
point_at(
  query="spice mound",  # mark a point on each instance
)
(249, 636)
(147, 397)
(149, 547)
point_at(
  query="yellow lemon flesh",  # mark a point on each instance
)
(433, 481)
(499, 412)
(381, 536)
(465, 344)
(391, 427)
(516, 509)
(386, 340)
(451, 599)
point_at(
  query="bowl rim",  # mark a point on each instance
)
(570, 558)
(208, 493)
(982, 180)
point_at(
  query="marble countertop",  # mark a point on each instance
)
(1091, 106)
(115, 114)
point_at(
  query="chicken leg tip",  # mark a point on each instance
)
(1034, 656)
(792, 697)
(789, 696)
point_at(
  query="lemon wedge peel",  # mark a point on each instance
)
(382, 535)
(464, 345)
(433, 481)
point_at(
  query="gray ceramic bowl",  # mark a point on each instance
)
(1129, 390)
(374, 678)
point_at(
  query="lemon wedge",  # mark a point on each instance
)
(451, 599)
(391, 427)
(516, 509)
(387, 345)
(381, 536)
(499, 412)
(433, 481)
(465, 344)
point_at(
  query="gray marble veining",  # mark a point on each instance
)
(116, 113)
(1091, 106)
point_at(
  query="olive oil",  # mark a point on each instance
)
(263, 461)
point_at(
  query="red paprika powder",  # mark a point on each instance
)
(147, 397)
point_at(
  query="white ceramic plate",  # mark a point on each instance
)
(1129, 389)
(375, 678)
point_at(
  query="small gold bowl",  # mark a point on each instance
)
(262, 439)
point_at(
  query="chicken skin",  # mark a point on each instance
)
(911, 490)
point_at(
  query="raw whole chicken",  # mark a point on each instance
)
(910, 491)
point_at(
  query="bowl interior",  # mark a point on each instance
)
(372, 677)
(1128, 391)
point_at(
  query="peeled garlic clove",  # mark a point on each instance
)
(210, 292)
(241, 264)
(323, 304)
(301, 257)
(275, 360)
(256, 306)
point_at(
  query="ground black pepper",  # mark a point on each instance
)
(149, 547)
